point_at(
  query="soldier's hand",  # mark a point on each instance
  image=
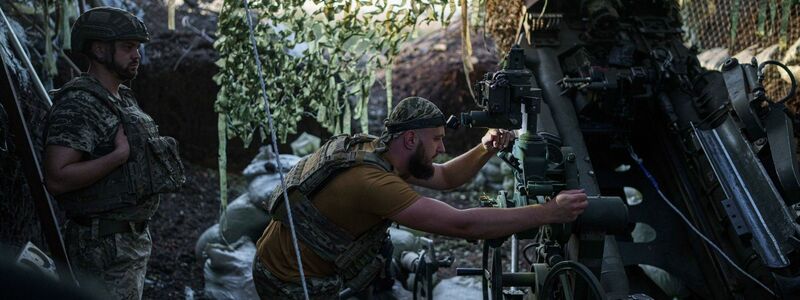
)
(121, 147)
(497, 139)
(567, 206)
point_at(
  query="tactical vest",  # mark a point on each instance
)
(357, 259)
(153, 164)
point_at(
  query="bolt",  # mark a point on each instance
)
(729, 64)
(760, 142)
(586, 159)
(591, 173)
(571, 157)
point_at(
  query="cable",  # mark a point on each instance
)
(525, 253)
(686, 220)
(275, 150)
(792, 90)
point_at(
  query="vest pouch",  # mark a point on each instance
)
(167, 174)
(112, 192)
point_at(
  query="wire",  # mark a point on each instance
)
(790, 95)
(275, 150)
(691, 226)
(525, 253)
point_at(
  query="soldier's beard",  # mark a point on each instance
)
(125, 73)
(419, 165)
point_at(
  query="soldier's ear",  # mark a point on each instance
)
(410, 139)
(100, 50)
(97, 50)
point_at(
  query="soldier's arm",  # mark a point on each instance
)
(461, 169)
(434, 216)
(65, 172)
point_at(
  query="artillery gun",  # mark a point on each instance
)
(603, 85)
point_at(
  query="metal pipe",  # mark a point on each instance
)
(547, 71)
(38, 87)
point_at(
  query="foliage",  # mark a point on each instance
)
(319, 59)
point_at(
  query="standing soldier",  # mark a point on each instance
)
(104, 159)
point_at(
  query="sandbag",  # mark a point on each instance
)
(261, 187)
(305, 144)
(228, 270)
(458, 288)
(210, 236)
(242, 218)
(403, 240)
(264, 164)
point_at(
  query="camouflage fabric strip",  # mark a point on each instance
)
(315, 230)
(365, 246)
(270, 287)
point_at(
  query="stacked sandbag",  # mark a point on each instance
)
(210, 236)
(247, 214)
(459, 287)
(243, 218)
(228, 270)
(262, 175)
(227, 248)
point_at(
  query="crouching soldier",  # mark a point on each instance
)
(344, 197)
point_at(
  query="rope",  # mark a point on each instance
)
(275, 150)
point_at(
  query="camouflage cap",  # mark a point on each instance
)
(412, 113)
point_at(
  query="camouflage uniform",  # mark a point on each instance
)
(81, 121)
(106, 235)
(360, 260)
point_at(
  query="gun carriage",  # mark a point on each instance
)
(603, 85)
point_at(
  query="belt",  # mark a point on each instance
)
(108, 227)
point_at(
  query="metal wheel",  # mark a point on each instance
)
(492, 286)
(571, 280)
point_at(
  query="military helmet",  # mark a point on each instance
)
(107, 24)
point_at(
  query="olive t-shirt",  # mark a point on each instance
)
(355, 200)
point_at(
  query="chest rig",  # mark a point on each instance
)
(357, 259)
(153, 164)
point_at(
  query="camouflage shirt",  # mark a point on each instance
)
(81, 121)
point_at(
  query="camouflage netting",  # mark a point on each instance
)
(503, 28)
(739, 25)
(767, 28)
(431, 68)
